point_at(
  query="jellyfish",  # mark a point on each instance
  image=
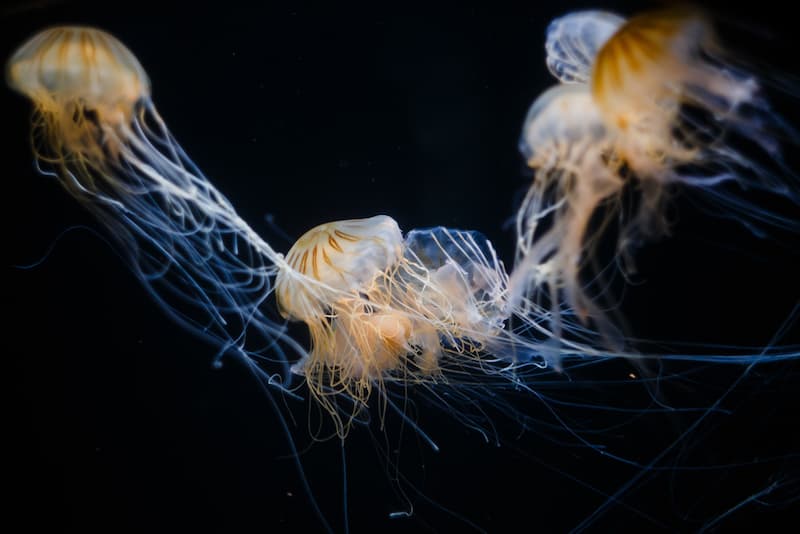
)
(356, 336)
(554, 217)
(644, 106)
(97, 131)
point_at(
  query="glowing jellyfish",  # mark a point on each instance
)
(644, 104)
(566, 141)
(382, 309)
(355, 336)
(96, 130)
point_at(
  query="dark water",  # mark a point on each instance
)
(115, 417)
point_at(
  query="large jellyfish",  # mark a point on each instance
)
(384, 312)
(644, 105)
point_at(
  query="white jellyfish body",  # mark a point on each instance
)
(572, 42)
(336, 281)
(567, 144)
(458, 272)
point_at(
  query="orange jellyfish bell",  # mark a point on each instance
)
(639, 72)
(342, 256)
(85, 86)
(77, 63)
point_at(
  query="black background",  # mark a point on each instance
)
(116, 420)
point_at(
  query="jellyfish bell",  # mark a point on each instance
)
(668, 86)
(656, 59)
(335, 281)
(338, 280)
(343, 256)
(78, 63)
(641, 77)
(541, 130)
(572, 42)
(79, 78)
(570, 150)
(455, 279)
(559, 119)
(645, 62)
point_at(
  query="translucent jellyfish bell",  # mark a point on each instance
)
(455, 278)
(345, 257)
(69, 69)
(647, 62)
(559, 118)
(567, 144)
(573, 40)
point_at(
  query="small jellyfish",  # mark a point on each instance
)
(566, 141)
(644, 105)
(96, 129)
(684, 112)
(573, 40)
(78, 77)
